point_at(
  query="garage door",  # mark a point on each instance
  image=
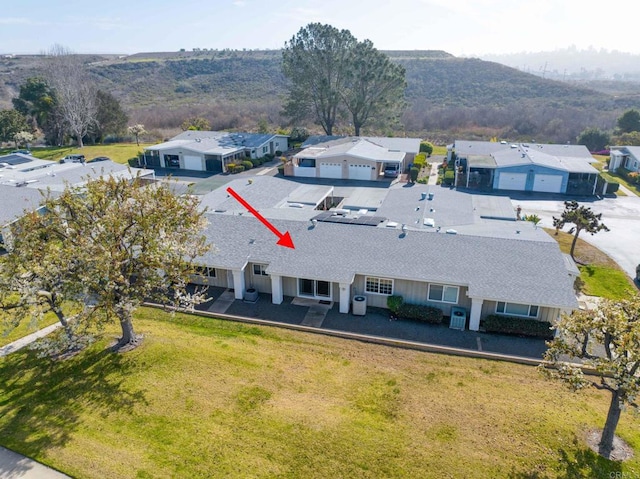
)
(548, 183)
(512, 181)
(360, 172)
(330, 170)
(192, 162)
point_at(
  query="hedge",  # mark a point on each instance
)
(247, 164)
(428, 314)
(495, 323)
(394, 303)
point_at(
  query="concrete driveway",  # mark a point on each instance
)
(621, 215)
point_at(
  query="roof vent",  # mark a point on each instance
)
(296, 205)
(452, 232)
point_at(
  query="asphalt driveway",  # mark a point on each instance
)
(620, 214)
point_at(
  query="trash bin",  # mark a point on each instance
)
(359, 305)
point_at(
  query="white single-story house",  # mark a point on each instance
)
(430, 245)
(532, 167)
(627, 157)
(212, 150)
(353, 158)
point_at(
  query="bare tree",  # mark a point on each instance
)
(75, 92)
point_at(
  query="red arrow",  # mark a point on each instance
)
(285, 238)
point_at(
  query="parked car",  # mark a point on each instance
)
(73, 159)
(22, 152)
(391, 170)
(99, 158)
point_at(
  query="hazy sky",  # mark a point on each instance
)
(460, 27)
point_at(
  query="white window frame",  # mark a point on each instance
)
(444, 288)
(315, 290)
(374, 280)
(261, 269)
(504, 311)
(205, 272)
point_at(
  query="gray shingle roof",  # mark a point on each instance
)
(15, 201)
(215, 142)
(407, 145)
(571, 158)
(530, 272)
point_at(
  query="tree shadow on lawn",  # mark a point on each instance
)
(42, 401)
(578, 463)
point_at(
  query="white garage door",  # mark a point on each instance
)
(360, 172)
(330, 170)
(192, 163)
(548, 183)
(512, 181)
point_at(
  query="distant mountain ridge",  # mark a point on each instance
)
(573, 64)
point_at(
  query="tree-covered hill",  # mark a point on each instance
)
(244, 83)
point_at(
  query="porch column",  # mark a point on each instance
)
(238, 283)
(345, 290)
(474, 314)
(276, 289)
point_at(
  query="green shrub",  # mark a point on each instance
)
(428, 314)
(420, 160)
(426, 147)
(449, 177)
(495, 323)
(278, 153)
(269, 156)
(394, 303)
(237, 169)
(281, 169)
(424, 180)
(256, 162)
(414, 174)
(247, 164)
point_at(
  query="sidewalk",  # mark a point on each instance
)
(16, 466)
(22, 342)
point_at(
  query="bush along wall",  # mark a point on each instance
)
(512, 325)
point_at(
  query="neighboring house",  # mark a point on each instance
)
(525, 167)
(24, 180)
(430, 245)
(212, 150)
(627, 157)
(353, 158)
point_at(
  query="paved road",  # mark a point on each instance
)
(621, 215)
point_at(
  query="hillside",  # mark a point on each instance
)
(230, 86)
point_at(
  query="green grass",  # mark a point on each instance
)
(118, 152)
(599, 274)
(613, 177)
(605, 282)
(209, 398)
(8, 335)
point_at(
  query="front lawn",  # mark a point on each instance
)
(205, 398)
(605, 282)
(599, 274)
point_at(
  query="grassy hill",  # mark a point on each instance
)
(233, 89)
